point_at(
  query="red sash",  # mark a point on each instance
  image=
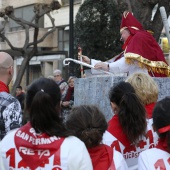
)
(35, 149)
(3, 87)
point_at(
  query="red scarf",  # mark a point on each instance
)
(116, 130)
(69, 93)
(35, 149)
(162, 144)
(102, 157)
(3, 87)
(149, 109)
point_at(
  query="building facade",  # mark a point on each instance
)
(52, 51)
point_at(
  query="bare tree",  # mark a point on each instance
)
(29, 49)
(143, 9)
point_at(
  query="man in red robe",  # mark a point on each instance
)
(141, 51)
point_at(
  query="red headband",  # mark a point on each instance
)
(164, 129)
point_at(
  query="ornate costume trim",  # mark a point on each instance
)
(154, 66)
(129, 27)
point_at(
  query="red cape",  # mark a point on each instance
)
(143, 50)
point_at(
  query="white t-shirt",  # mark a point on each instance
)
(154, 159)
(131, 154)
(120, 66)
(119, 161)
(73, 155)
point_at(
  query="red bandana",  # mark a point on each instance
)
(149, 109)
(162, 144)
(116, 130)
(35, 149)
(102, 157)
(3, 87)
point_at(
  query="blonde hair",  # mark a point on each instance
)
(145, 87)
(70, 78)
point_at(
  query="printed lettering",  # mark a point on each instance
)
(11, 154)
(28, 151)
(160, 164)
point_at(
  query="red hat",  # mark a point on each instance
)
(130, 22)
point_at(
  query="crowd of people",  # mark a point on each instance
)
(59, 135)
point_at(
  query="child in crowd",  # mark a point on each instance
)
(128, 132)
(88, 124)
(159, 157)
(43, 142)
(146, 89)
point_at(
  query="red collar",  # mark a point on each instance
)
(126, 42)
(102, 157)
(3, 87)
(162, 144)
(116, 130)
(149, 109)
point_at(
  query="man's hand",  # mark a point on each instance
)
(102, 65)
(85, 59)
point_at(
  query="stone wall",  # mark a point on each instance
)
(94, 90)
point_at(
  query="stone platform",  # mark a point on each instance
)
(94, 90)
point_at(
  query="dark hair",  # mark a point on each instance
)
(87, 123)
(161, 118)
(43, 106)
(132, 114)
(19, 87)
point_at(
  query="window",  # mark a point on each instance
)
(25, 13)
(63, 39)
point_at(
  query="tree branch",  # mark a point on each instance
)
(47, 33)
(9, 43)
(22, 22)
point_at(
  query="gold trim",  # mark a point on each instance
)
(127, 28)
(154, 66)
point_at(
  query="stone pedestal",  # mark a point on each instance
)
(94, 90)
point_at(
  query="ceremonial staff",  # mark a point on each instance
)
(66, 62)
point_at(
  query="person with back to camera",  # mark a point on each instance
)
(158, 157)
(43, 143)
(146, 89)
(88, 124)
(141, 52)
(10, 109)
(128, 132)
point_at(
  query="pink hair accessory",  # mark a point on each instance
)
(164, 129)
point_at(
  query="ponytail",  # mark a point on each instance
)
(132, 117)
(43, 106)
